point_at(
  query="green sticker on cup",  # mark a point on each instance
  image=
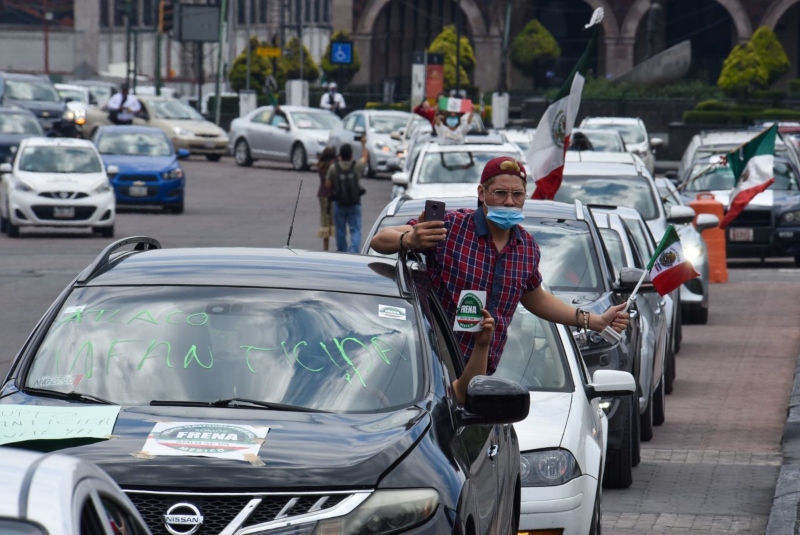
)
(468, 313)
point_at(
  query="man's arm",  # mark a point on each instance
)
(364, 151)
(115, 102)
(421, 236)
(340, 99)
(551, 308)
(134, 106)
(325, 102)
(478, 362)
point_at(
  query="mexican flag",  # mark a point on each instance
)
(752, 166)
(551, 139)
(455, 105)
(668, 267)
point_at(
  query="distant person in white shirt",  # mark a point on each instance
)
(332, 100)
(451, 128)
(123, 107)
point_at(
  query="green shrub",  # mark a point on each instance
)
(260, 69)
(794, 87)
(341, 74)
(395, 106)
(739, 116)
(773, 96)
(445, 43)
(742, 72)
(777, 114)
(532, 48)
(712, 105)
(603, 89)
(291, 62)
(770, 52)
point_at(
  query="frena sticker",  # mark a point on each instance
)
(469, 312)
(391, 312)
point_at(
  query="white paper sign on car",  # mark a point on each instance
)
(469, 311)
(19, 423)
(223, 440)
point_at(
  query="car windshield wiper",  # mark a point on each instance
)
(233, 402)
(76, 396)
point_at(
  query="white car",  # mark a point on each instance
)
(56, 182)
(451, 170)
(563, 440)
(521, 137)
(633, 132)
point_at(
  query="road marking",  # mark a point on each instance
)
(641, 523)
(746, 458)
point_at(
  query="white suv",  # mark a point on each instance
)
(633, 132)
(56, 182)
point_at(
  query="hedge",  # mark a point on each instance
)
(738, 116)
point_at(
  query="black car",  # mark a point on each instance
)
(274, 391)
(38, 95)
(15, 125)
(577, 270)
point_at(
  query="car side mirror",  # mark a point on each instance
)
(5, 168)
(706, 221)
(681, 215)
(611, 383)
(494, 401)
(628, 279)
(396, 135)
(400, 179)
(183, 154)
(656, 142)
(112, 170)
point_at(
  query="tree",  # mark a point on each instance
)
(770, 52)
(341, 74)
(291, 62)
(445, 43)
(532, 49)
(260, 69)
(742, 73)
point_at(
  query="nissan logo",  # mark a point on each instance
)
(183, 519)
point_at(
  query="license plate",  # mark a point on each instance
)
(137, 191)
(741, 234)
(64, 212)
(47, 125)
(786, 234)
(210, 144)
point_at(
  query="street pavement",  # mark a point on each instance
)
(711, 468)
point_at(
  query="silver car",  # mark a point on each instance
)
(53, 494)
(602, 140)
(295, 134)
(633, 132)
(378, 126)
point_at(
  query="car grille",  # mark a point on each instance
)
(46, 212)
(134, 178)
(219, 510)
(207, 136)
(753, 218)
(63, 195)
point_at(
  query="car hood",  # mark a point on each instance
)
(85, 182)
(7, 140)
(320, 136)
(438, 191)
(546, 421)
(200, 128)
(301, 450)
(38, 107)
(133, 164)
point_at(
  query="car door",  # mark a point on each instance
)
(257, 133)
(282, 136)
(479, 443)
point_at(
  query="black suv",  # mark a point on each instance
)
(38, 95)
(274, 391)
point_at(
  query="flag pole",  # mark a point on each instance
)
(609, 334)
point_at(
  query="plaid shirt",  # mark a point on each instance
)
(468, 260)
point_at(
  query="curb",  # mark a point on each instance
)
(784, 516)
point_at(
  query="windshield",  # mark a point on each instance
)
(568, 256)
(456, 167)
(59, 160)
(669, 196)
(631, 133)
(416, 125)
(75, 95)
(174, 109)
(316, 120)
(31, 90)
(642, 237)
(316, 349)
(718, 177)
(18, 123)
(101, 93)
(386, 124)
(631, 192)
(604, 141)
(134, 143)
(533, 355)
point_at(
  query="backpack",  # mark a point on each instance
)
(346, 190)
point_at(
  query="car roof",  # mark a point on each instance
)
(20, 76)
(406, 206)
(472, 143)
(611, 120)
(130, 128)
(71, 86)
(252, 267)
(396, 113)
(57, 142)
(624, 212)
(575, 156)
(726, 138)
(598, 169)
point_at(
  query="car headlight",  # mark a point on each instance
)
(590, 341)
(380, 145)
(182, 132)
(22, 186)
(103, 188)
(547, 468)
(172, 174)
(386, 511)
(791, 218)
(68, 115)
(693, 253)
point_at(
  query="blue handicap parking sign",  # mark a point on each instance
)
(342, 53)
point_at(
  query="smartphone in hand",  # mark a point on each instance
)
(434, 210)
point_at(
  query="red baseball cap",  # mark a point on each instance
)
(503, 165)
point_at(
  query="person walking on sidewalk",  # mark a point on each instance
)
(326, 227)
(343, 180)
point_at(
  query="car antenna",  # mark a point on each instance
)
(296, 202)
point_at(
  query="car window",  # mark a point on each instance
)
(642, 238)
(10, 526)
(444, 345)
(533, 355)
(350, 121)
(18, 123)
(455, 167)
(74, 94)
(604, 141)
(31, 90)
(613, 243)
(631, 133)
(669, 196)
(359, 122)
(386, 124)
(112, 141)
(45, 159)
(632, 192)
(278, 119)
(706, 176)
(311, 120)
(173, 109)
(263, 116)
(569, 259)
(313, 349)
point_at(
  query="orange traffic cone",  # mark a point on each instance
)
(714, 237)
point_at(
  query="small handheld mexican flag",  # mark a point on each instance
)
(455, 105)
(668, 267)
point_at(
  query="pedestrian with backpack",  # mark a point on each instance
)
(343, 181)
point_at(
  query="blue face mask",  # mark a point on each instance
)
(505, 217)
(452, 122)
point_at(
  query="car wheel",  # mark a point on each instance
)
(3, 224)
(12, 230)
(636, 450)
(241, 154)
(299, 159)
(597, 516)
(213, 157)
(697, 316)
(106, 232)
(669, 371)
(646, 422)
(678, 330)
(659, 403)
(175, 208)
(619, 469)
(797, 260)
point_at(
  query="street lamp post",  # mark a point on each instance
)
(47, 15)
(458, 48)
